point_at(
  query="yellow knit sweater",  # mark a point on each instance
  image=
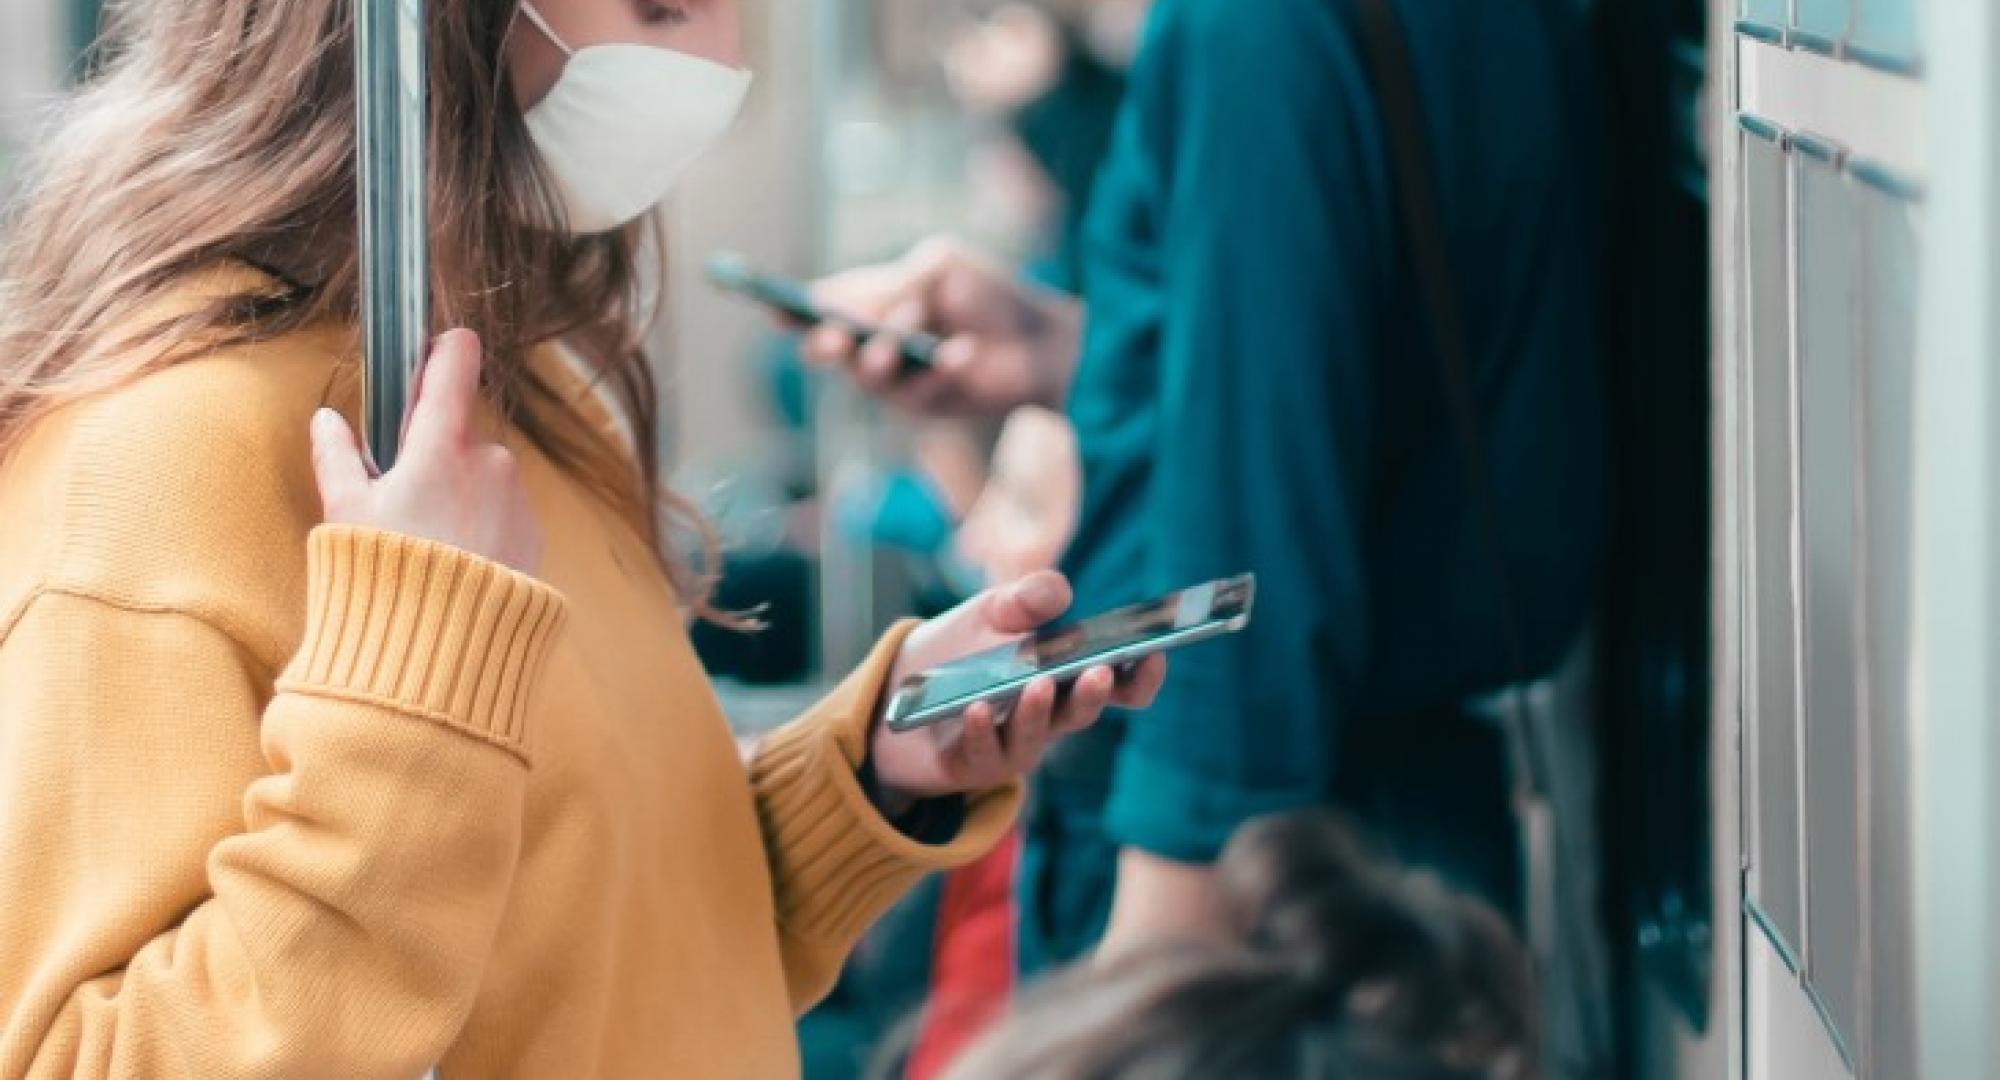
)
(282, 799)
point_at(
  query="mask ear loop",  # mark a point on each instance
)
(548, 31)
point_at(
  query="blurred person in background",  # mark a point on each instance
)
(1051, 77)
(1327, 963)
(1254, 388)
(268, 716)
(956, 506)
(1042, 97)
(1043, 83)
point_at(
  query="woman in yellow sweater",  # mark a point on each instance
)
(309, 772)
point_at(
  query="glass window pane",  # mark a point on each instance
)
(1765, 12)
(1829, 256)
(1889, 367)
(1885, 31)
(1820, 23)
(1772, 708)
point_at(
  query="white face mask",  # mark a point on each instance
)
(623, 123)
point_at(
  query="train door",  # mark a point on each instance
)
(1855, 602)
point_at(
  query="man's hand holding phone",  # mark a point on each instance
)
(1005, 343)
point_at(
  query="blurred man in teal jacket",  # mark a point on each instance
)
(1254, 388)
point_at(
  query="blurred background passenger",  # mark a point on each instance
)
(1255, 387)
(1039, 86)
(1049, 79)
(1325, 963)
(958, 500)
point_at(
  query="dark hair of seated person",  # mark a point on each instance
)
(1341, 967)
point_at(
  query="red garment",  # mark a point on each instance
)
(972, 960)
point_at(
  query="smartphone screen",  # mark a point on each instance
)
(1065, 651)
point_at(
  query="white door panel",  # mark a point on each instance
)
(1787, 1038)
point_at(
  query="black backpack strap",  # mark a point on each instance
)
(1419, 212)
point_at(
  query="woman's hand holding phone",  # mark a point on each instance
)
(450, 484)
(981, 752)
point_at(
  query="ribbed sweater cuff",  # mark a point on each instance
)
(424, 629)
(837, 863)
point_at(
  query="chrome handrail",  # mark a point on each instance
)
(390, 102)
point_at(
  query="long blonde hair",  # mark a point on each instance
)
(224, 130)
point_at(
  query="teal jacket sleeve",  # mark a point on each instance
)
(1270, 199)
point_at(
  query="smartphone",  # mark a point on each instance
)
(732, 272)
(1063, 652)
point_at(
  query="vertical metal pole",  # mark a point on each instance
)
(846, 578)
(390, 97)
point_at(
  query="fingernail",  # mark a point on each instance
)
(323, 420)
(1041, 592)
